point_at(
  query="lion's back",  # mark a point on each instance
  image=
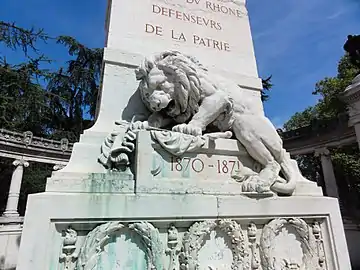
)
(243, 99)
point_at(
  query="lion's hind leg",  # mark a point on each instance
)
(257, 150)
(267, 148)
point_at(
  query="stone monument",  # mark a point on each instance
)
(182, 170)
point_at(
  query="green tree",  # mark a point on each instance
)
(267, 85)
(15, 37)
(23, 104)
(329, 89)
(74, 89)
(48, 102)
(301, 119)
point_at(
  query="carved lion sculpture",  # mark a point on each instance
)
(180, 92)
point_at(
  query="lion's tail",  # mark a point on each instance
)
(288, 167)
(291, 173)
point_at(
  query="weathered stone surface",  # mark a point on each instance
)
(10, 236)
(199, 219)
(146, 209)
(112, 182)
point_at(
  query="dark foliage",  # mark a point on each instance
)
(48, 102)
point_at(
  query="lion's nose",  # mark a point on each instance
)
(158, 103)
(156, 106)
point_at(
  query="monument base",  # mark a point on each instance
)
(163, 231)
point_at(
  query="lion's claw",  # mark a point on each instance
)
(188, 129)
(139, 125)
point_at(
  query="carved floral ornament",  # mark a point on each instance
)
(98, 238)
(27, 139)
(194, 239)
(312, 255)
(183, 251)
(28, 135)
(69, 253)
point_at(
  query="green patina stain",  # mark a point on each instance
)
(54, 263)
(123, 252)
(112, 252)
(158, 163)
(186, 173)
(53, 267)
(138, 260)
(135, 262)
(100, 264)
(101, 186)
(107, 204)
(107, 182)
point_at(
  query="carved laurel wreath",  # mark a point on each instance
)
(307, 239)
(194, 239)
(98, 238)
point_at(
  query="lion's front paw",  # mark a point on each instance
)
(188, 129)
(139, 125)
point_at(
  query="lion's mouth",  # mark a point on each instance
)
(171, 108)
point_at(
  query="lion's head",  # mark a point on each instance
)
(170, 84)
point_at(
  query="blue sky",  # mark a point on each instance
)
(298, 42)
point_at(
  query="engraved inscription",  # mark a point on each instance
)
(193, 18)
(186, 17)
(197, 165)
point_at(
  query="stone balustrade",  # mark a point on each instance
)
(16, 145)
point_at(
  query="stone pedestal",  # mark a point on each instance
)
(305, 228)
(175, 214)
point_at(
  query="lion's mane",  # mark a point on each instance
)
(181, 70)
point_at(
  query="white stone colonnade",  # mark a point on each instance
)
(12, 204)
(328, 172)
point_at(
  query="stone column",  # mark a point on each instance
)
(14, 192)
(351, 97)
(328, 172)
